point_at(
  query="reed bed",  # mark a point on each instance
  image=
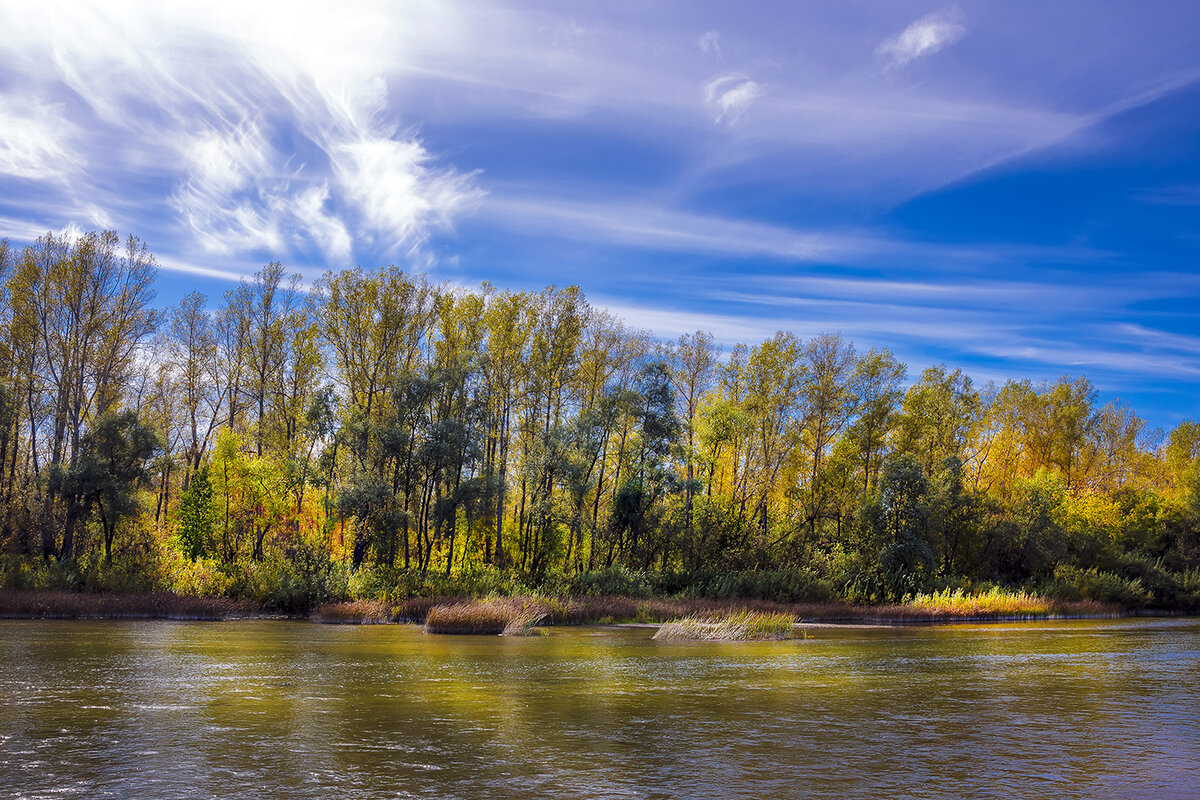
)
(737, 626)
(938, 607)
(356, 612)
(994, 604)
(946, 606)
(504, 617)
(153, 605)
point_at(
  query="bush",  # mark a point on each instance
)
(779, 586)
(393, 585)
(291, 584)
(1072, 583)
(612, 581)
(200, 578)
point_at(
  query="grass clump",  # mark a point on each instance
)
(487, 617)
(735, 626)
(993, 603)
(356, 612)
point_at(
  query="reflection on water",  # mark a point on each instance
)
(295, 710)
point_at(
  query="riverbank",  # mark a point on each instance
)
(52, 604)
(587, 610)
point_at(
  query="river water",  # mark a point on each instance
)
(1103, 709)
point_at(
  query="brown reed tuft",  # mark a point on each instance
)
(496, 616)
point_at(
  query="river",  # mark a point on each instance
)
(266, 709)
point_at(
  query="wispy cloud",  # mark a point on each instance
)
(922, 38)
(36, 139)
(662, 228)
(729, 97)
(399, 195)
(758, 166)
(280, 140)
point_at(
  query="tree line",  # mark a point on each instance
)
(378, 423)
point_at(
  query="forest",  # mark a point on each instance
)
(376, 434)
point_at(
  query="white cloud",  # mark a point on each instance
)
(729, 96)
(662, 228)
(671, 323)
(326, 229)
(710, 43)
(924, 37)
(400, 196)
(35, 139)
(272, 121)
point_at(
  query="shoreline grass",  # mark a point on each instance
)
(736, 626)
(52, 604)
(941, 607)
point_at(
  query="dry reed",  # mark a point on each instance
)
(155, 605)
(737, 626)
(505, 617)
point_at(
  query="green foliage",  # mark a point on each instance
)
(200, 577)
(113, 464)
(194, 528)
(382, 437)
(291, 583)
(1072, 583)
(616, 581)
(780, 586)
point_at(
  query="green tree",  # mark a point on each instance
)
(195, 526)
(113, 465)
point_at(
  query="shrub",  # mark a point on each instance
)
(612, 581)
(291, 583)
(1072, 583)
(200, 578)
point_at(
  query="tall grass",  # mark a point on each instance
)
(737, 626)
(490, 617)
(993, 604)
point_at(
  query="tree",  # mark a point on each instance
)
(694, 360)
(878, 376)
(197, 516)
(82, 307)
(193, 352)
(829, 403)
(907, 557)
(938, 417)
(112, 466)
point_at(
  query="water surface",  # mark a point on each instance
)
(1103, 709)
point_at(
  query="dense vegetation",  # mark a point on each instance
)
(376, 435)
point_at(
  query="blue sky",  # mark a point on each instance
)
(1009, 187)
